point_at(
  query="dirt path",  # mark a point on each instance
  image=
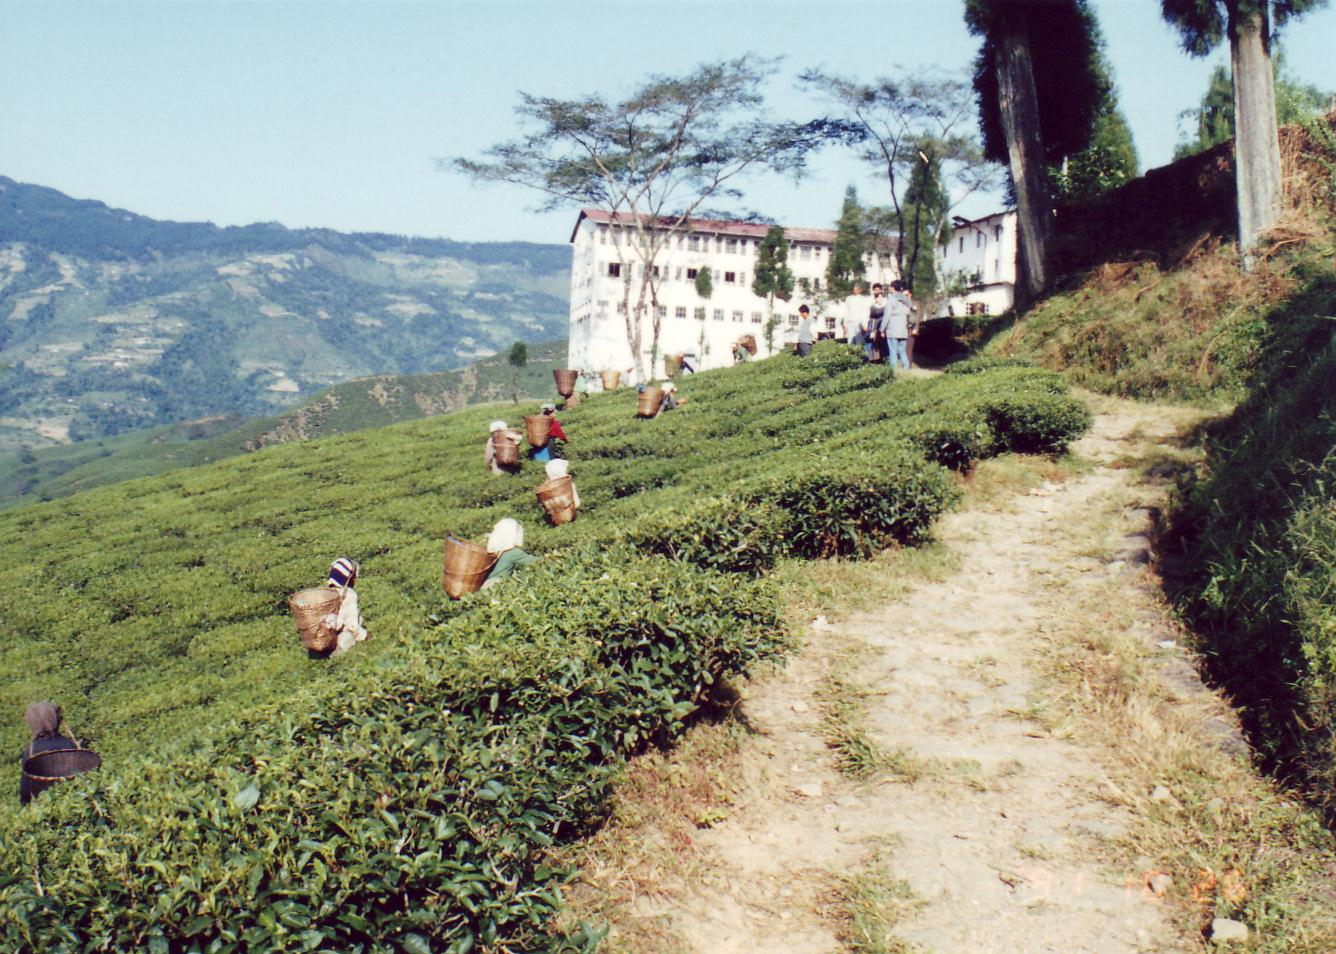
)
(994, 821)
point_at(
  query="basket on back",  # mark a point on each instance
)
(309, 609)
(558, 498)
(748, 342)
(466, 566)
(537, 428)
(612, 380)
(507, 444)
(648, 404)
(565, 379)
(573, 400)
(672, 364)
(47, 768)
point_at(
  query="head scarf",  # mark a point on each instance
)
(506, 535)
(549, 409)
(497, 426)
(43, 718)
(556, 468)
(669, 388)
(343, 572)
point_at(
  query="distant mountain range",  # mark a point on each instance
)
(112, 321)
(45, 473)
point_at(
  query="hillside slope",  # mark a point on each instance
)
(50, 472)
(111, 321)
(405, 797)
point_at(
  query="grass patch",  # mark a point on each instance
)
(868, 905)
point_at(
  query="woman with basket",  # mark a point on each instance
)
(544, 454)
(505, 541)
(43, 720)
(345, 622)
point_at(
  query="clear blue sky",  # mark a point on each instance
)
(332, 114)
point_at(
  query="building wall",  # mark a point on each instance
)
(983, 250)
(689, 323)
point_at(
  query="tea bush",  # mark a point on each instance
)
(401, 798)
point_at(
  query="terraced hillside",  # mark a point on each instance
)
(403, 798)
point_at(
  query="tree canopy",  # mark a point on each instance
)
(772, 277)
(846, 266)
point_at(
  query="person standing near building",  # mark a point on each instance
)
(804, 331)
(855, 315)
(896, 320)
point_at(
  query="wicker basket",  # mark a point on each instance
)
(309, 609)
(573, 400)
(507, 444)
(565, 379)
(748, 342)
(612, 380)
(537, 427)
(672, 364)
(558, 498)
(47, 768)
(648, 404)
(466, 566)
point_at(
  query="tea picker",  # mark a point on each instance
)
(50, 757)
(504, 543)
(329, 619)
(542, 430)
(502, 453)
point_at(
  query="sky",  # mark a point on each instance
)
(334, 114)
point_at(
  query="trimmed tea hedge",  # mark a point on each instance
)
(402, 798)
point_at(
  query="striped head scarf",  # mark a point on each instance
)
(343, 572)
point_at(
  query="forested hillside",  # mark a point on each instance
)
(111, 321)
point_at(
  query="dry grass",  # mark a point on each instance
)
(868, 904)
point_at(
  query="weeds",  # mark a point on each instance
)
(868, 905)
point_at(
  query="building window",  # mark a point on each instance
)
(603, 236)
(978, 240)
(737, 316)
(661, 311)
(730, 278)
(830, 323)
(997, 233)
(693, 243)
(731, 246)
(742, 278)
(691, 274)
(699, 313)
(805, 251)
(614, 269)
(976, 308)
(816, 252)
(654, 270)
(680, 311)
(793, 321)
(718, 243)
(757, 318)
(719, 314)
(805, 285)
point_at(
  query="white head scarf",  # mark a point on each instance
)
(497, 426)
(506, 535)
(669, 388)
(556, 468)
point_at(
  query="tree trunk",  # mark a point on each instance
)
(1019, 105)
(1256, 145)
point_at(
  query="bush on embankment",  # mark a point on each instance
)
(402, 798)
(1256, 535)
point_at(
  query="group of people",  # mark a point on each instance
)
(884, 324)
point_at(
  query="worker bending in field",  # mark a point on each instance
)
(43, 720)
(544, 454)
(346, 621)
(499, 433)
(561, 468)
(670, 400)
(504, 542)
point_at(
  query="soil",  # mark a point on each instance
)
(1003, 839)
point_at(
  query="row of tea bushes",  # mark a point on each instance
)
(245, 797)
(407, 809)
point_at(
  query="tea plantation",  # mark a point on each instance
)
(403, 798)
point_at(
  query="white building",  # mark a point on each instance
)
(983, 253)
(704, 327)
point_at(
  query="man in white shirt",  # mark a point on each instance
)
(856, 308)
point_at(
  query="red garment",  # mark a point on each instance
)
(557, 432)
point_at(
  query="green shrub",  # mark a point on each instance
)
(726, 534)
(1037, 423)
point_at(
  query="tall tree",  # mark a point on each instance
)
(1039, 87)
(893, 123)
(930, 226)
(650, 161)
(518, 358)
(1250, 26)
(847, 265)
(1212, 122)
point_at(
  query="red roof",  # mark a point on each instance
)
(720, 226)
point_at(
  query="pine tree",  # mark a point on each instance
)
(772, 278)
(847, 267)
(927, 207)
